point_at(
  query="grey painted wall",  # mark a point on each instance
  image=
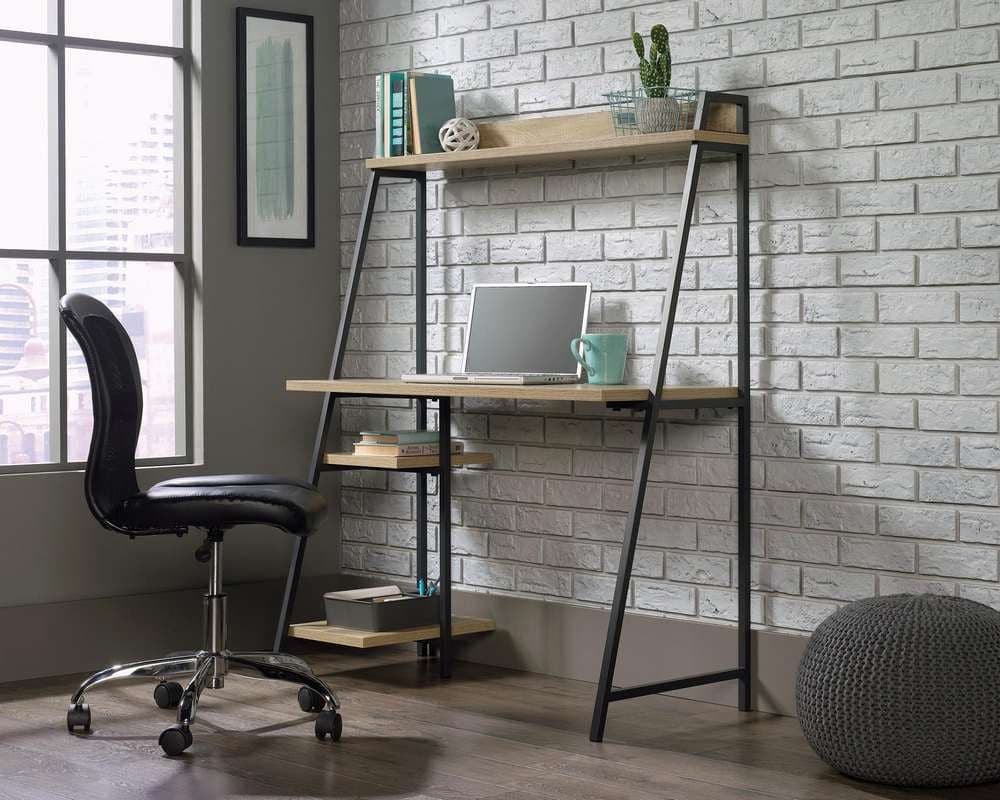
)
(875, 231)
(264, 315)
(269, 314)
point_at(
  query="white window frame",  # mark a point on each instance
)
(58, 43)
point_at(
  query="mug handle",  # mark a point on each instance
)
(574, 349)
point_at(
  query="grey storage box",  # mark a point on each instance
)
(353, 609)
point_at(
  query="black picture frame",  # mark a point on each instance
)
(243, 236)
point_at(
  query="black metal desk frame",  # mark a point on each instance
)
(606, 692)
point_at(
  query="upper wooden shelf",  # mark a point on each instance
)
(566, 138)
(579, 392)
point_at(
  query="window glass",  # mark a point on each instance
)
(116, 136)
(25, 15)
(24, 362)
(25, 215)
(146, 21)
(141, 295)
(120, 146)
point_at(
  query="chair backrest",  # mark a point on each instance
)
(117, 398)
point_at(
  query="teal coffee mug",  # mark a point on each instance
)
(603, 356)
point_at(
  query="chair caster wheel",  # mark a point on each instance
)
(78, 717)
(310, 701)
(168, 694)
(329, 723)
(176, 739)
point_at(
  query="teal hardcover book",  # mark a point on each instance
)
(432, 103)
(397, 130)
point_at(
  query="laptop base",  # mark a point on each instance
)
(497, 380)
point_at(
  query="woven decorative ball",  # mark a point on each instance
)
(905, 690)
(459, 134)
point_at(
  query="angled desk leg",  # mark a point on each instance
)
(420, 346)
(444, 534)
(605, 691)
(604, 685)
(743, 423)
(743, 673)
(423, 648)
(329, 400)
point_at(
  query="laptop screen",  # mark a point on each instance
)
(525, 327)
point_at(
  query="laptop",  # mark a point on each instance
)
(520, 333)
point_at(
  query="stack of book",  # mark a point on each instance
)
(400, 444)
(410, 108)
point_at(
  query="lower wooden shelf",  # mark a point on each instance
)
(354, 637)
(404, 462)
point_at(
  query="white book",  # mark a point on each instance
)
(378, 116)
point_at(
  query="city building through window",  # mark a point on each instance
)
(93, 147)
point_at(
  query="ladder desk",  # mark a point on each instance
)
(720, 130)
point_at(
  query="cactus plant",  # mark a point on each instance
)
(654, 72)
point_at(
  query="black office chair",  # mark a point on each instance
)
(212, 504)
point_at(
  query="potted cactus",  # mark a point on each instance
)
(655, 112)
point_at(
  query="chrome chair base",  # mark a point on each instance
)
(208, 669)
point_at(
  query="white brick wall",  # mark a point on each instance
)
(876, 224)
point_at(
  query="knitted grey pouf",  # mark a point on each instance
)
(905, 690)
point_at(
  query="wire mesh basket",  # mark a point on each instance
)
(652, 110)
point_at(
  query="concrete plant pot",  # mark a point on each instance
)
(657, 114)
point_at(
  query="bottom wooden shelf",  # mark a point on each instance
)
(354, 637)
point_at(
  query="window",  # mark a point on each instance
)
(98, 201)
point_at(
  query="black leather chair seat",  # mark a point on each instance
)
(222, 501)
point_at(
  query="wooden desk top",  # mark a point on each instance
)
(578, 392)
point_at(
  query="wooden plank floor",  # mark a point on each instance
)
(488, 733)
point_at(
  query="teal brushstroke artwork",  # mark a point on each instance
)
(276, 141)
(275, 173)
